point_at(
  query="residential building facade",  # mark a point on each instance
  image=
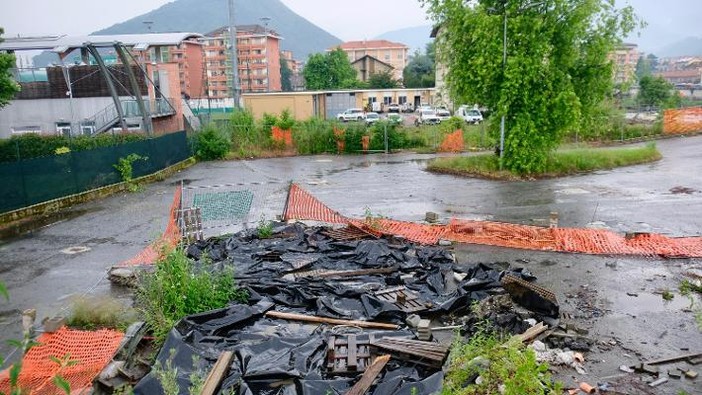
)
(258, 58)
(297, 80)
(625, 58)
(368, 65)
(392, 53)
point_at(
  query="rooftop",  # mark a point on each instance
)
(369, 44)
(245, 29)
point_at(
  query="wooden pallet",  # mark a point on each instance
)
(322, 273)
(191, 224)
(348, 233)
(348, 354)
(420, 352)
(403, 298)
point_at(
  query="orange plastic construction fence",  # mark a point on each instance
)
(453, 142)
(302, 205)
(682, 121)
(169, 239)
(91, 351)
(282, 137)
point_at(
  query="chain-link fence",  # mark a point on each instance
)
(66, 172)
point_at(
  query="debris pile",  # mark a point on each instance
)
(331, 309)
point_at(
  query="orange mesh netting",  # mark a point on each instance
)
(168, 240)
(453, 142)
(302, 205)
(283, 137)
(92, 351)
(686, 120)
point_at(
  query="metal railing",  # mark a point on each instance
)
(108, 117)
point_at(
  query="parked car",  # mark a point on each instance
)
(423, 107)
(395, 119)
(470, 115)
(352, 114)
(372, 117)
(393, 107)
(407, 107)
(427, 117)
(443, 114)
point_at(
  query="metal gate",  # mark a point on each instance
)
(339, 102)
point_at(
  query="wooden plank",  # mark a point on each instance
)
(366, 381)
(674, 359)
(331, 321)
(219, 370)
(531, 333)
(352, 364)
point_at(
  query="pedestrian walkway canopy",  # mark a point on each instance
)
(63, 44)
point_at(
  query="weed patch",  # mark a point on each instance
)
(178, 288)
(94, 312)
(505, 366)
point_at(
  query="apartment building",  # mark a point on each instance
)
(625, 58)
(394, 54)
(258, 58)
(188, 55)
(297, 80)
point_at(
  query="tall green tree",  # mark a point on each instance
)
(8, 86)
(331, 70)
(285, 75)
(382, 80)
(557, 72)
(420, 71)
(654, 92)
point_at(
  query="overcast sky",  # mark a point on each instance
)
(668, 20)
(77, 17)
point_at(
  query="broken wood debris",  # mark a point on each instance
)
(344, 273)
(299, 260)
(369, 376)
(675, 359)
(403, 298)
(347, 233)
(531, 333)
(331, 321)
(348, 354)
(420, 352)
(531, 296)
(219, 370)
(191, 224)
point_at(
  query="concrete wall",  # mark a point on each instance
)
(44, 113)
(302, 106)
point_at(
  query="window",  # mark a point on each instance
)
(387, 55)
(25, 129)
(402, 100)
(63, 128)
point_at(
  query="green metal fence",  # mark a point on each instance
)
(31, 181)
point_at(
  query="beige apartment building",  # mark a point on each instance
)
(394, 54)
(625, 58)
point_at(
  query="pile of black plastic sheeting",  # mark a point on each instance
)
(273, 356)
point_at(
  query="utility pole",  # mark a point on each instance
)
(236, 90)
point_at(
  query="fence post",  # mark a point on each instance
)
(22, 176)
(386, 138)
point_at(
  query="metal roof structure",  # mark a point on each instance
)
(65, 43)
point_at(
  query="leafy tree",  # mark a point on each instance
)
(654, 92)
(557, 72)
(643, 68)
(331, 70)
(382, 80)
(8, 86)
(420, 70)
(285, 75)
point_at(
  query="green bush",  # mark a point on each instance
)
(31, 145)
(286, 120)
(211, 144)
(179, 288)
(314, 136)
(248, 139)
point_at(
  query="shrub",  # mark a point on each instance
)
(96, 312)
(286, 120)
(211, 144)
(31, 145)
(179, 288)
(314, 136)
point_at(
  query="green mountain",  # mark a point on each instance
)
(203, 16)
(690, 46)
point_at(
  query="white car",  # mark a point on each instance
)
(352, 114)
(372, 117)
(443, 114)
(394, 107)
(427, 117)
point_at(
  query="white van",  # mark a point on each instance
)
(470, 115)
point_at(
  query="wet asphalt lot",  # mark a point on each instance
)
(42, 271)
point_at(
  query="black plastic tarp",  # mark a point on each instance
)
(273, 356)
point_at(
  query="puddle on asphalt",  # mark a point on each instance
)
(647, 302)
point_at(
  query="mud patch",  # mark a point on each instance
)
(683, 190)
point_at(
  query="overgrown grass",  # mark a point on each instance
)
(179, 287)
(499, 362)
(560, 163)
(94, 312)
